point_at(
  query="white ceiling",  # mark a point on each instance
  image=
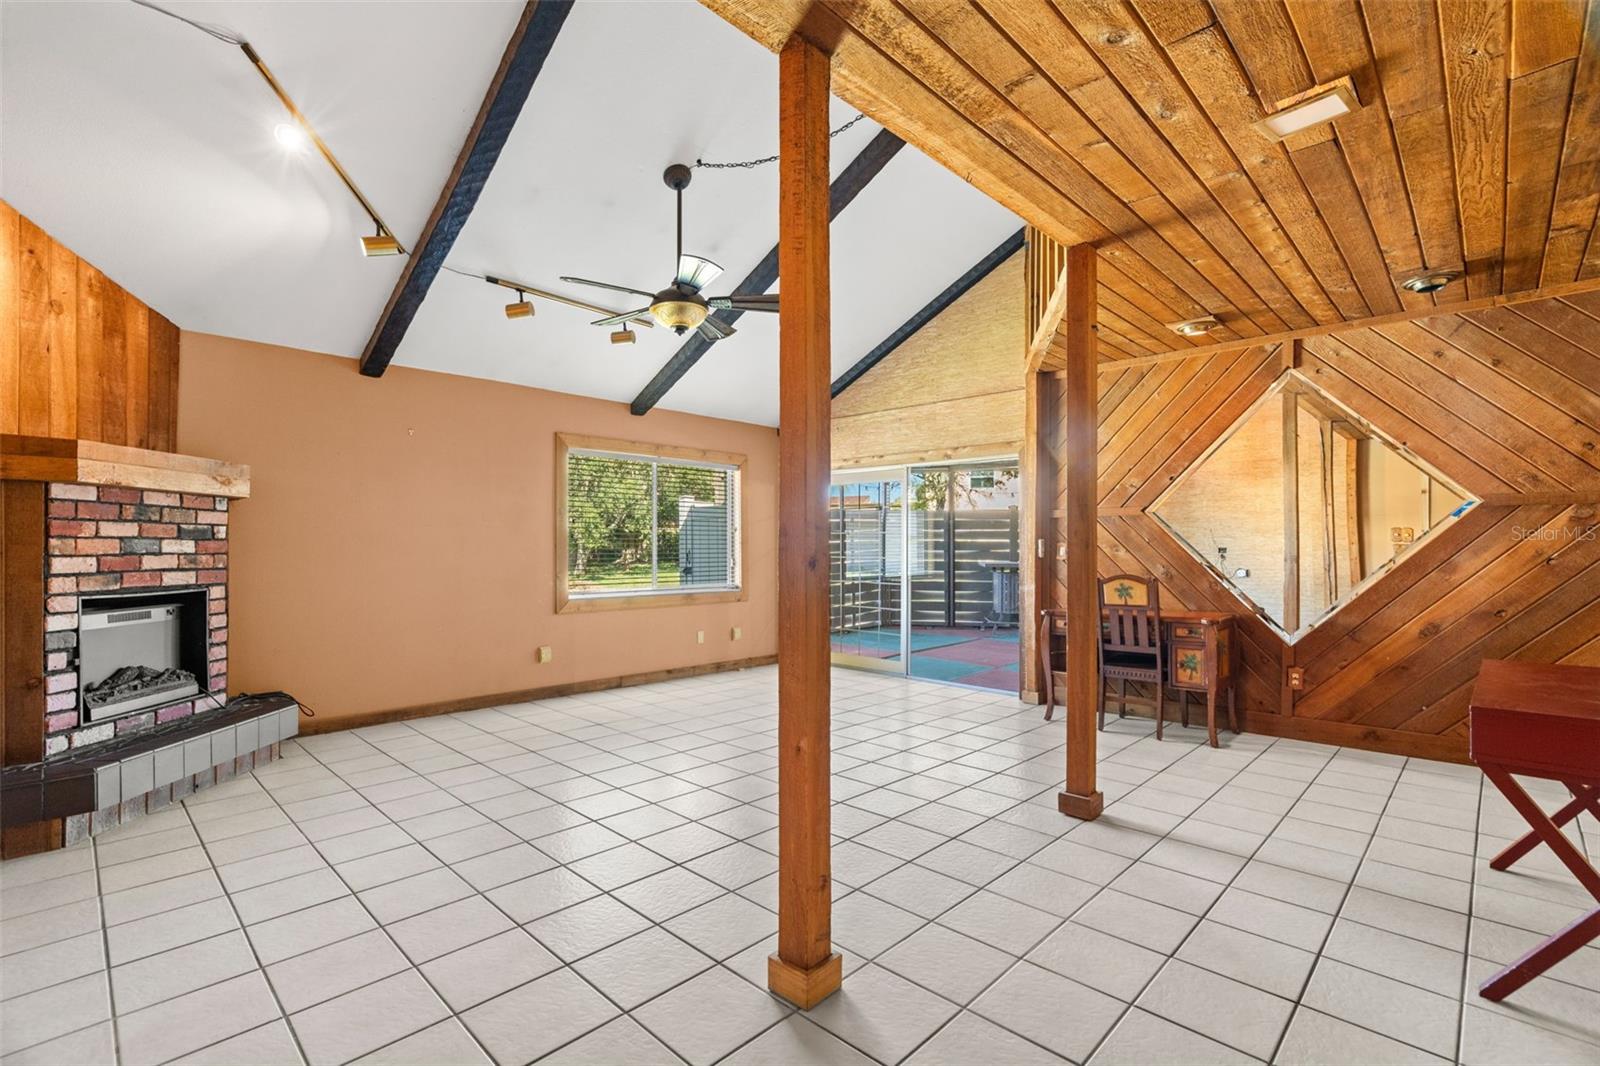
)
(147, 147)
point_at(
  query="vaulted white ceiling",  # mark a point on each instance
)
(147, 147)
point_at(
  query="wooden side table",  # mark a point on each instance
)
(1540, 720)
(1200, 659)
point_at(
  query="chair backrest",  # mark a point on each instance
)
(1130, 607)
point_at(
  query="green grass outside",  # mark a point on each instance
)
(599, 578)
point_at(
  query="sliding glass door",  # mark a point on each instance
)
(866, 542)
(923, 576)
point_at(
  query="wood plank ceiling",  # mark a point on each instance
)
(1131, 125)
(1503, 401)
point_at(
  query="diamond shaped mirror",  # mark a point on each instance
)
(1302, 502)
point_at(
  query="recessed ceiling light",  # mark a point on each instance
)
(1194, 327)
(291, 137)
(1429, 280)
(1324, 103)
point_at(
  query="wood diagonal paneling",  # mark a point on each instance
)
(1505, 402)
(1132, 125)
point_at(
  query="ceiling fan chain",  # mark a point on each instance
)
(746, 164)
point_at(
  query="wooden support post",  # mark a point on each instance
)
(805, 969)
(1080, 469)
(1037, 550)
(1291, 510)
(22, 697)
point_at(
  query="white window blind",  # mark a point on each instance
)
(640, 524)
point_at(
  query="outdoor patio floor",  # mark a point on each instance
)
(986, 658)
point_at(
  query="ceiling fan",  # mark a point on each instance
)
(680, 306)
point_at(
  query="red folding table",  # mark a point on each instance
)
(1541, 720)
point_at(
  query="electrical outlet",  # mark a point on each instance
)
(1297, 678)
(544, 654)
(699, 636)
(1061, 551)
(736, 634)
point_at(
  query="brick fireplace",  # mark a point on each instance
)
(149, 548)
(115, 563)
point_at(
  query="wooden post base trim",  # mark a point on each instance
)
(1087, 807)
(805, 988)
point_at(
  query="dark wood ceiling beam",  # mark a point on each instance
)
(855, 177)
(524, 58)
(929, 311)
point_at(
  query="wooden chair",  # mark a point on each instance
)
(1130, 641)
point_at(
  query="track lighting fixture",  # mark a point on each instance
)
(380, 243)
(298, 132)
(1194, 327)
(524, 291)
(1426, 281)
(624, 336)
(384, 241)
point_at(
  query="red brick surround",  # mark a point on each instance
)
(104, 539)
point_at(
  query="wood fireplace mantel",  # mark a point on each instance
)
(88, 462)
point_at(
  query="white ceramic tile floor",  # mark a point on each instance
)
(593, 879)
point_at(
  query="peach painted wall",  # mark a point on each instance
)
(398, 545)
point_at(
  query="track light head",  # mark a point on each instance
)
(379, 244)
(291, 136)
(624, 336)
(521, 309)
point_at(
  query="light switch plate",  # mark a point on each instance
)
(699, 636)
(736, 634)
(544, 654)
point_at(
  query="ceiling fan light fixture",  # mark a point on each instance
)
(696, 272)
(624, 336)
(521, 309)
(379, 244)
(1427, 281)
(680, 316)
(1195, 327)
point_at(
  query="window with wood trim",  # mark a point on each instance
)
(642, 524)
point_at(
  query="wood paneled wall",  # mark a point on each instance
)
(1506, 403)
(953, 390)
(80, 356)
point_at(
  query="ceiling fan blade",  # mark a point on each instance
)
(626, 316)
(696, 272)
(754, 302)
(714, 329)
(608, 285)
